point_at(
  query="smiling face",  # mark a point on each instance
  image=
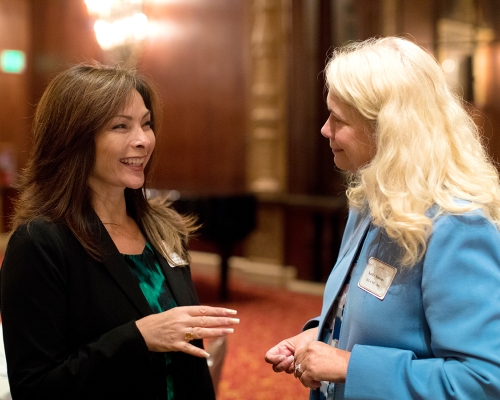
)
(350, 138)
(123, 148)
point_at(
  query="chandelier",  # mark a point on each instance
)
(120, 25)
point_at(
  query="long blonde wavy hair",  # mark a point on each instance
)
(428, 148)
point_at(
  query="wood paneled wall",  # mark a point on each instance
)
(14, 88)
(198, 55)
(490, 110)
(199, 59)
(62, 35)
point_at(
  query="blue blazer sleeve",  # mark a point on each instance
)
(460, 299)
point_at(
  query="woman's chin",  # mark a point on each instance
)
(135, 185)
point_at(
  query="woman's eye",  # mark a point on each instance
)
(119, 126)
(336, 120)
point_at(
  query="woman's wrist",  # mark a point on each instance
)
(343, 358)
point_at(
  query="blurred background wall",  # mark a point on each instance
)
(243, 94)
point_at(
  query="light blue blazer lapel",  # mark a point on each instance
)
(350, 244)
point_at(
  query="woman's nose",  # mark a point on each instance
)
(141, 139)
(325, 130)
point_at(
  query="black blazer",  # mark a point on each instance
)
(69, 322)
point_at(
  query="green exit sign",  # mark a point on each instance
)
(12, 61)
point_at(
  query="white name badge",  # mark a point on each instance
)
(377, 278)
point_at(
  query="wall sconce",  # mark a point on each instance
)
(120, 26)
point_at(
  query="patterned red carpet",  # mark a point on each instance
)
(267, 315)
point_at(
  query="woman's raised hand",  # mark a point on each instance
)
(320, 362)
(282, 355)
(172, 330)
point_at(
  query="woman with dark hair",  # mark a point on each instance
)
(96, 293)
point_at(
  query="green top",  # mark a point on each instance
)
(147, 270)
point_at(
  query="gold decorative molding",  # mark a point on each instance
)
(267, 135)
(267, 155)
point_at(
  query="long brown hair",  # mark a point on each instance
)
(74, 107)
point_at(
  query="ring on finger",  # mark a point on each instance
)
(297, 371)
(188, 336)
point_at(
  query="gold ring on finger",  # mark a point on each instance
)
(189, 335)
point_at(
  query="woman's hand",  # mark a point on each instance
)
(321, 362)
(282, 355)
(173, 329)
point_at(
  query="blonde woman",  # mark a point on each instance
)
(97, 297)
(412, 307)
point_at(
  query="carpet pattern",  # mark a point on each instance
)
(267, 315)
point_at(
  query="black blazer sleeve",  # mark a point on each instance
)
(69, 326)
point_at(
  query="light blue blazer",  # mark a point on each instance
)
(436, 334)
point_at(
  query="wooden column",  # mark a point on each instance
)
(267, 156)
(267, 134)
